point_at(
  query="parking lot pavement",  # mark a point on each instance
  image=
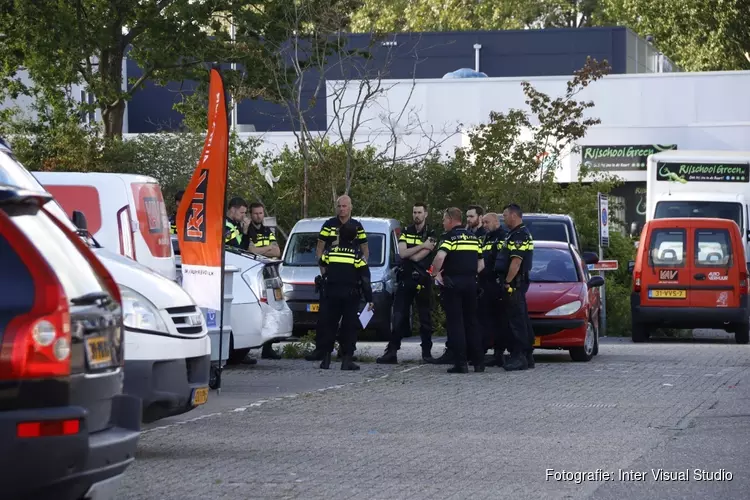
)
(283, 429)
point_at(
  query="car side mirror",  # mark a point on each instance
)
(595, 281)
(590, 258)
(631, 266)
(79, 220)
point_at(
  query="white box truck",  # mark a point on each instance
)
(697, 183)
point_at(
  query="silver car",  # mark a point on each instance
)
(299, 269)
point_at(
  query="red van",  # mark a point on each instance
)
(690, 273)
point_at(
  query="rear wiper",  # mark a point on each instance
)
(90, 298)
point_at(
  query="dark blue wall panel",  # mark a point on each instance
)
(415, 55)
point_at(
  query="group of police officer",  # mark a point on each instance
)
(482, 272)
(480, 269)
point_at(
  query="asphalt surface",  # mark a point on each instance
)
(285, 429)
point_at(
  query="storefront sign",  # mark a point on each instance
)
(621, 157)
(702, 172)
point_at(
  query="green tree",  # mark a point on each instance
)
(83, 42)
(697, 35)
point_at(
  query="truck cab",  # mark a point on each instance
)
(700, 184)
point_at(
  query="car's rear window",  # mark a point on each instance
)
(667, 248)
(713, 247)
(548, 230)
(72, 268)
(301, 249)
(553, 265)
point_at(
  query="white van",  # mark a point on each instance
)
(692, 183)
(167, 348)
(125, 213)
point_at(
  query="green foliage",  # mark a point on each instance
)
(697, 35)
(618, 285)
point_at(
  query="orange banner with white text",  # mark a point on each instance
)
(200, 216)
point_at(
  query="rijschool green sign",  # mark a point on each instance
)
(621, 157)
(702, 172)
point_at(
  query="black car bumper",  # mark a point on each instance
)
(166, 387)
(688, 317)
(303, 302)
(67, 467)
(543, 327)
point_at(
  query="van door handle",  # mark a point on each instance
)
(700, 276)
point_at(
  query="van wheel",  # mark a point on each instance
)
(742, 333)
(384, 331)
(236, 356)
(596, 343)
(639, 332)
(586, 352)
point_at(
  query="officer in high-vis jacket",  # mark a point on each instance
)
(512, 268)
(236, 224)
(347, 280)
(491, 316)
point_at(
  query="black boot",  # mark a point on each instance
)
(390, 357)
(446, 359)
(326, 363)
(348, 364)
(269, 352)
(249, 361)
(316, 355)
(459, 368)
(479, 366)
(530, 359)
(516, 362)
(427, 355)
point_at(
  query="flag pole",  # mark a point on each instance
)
(223, 251)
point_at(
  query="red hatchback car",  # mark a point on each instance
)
(563, 300)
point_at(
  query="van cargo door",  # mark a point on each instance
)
(666, 280)
(715, 278)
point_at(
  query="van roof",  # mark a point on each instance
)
(93, 176)
(549, 216)
(313, 224)
(678, 222)
(701, 155)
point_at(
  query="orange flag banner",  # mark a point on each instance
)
(200, 216)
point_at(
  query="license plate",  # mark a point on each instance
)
(313, 308)
(98, 352)
(667, 294)
(537, 341)
(277, 293)
(200, 396)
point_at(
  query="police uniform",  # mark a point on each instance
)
(518, 244)
(347, 278)
(261, 236)
(233, 235)
(491, 317)
(480, 232)
(458, 295)
(413, 283)
(173, 224)
(329, 232)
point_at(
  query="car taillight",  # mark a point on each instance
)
(637, 281)
(125, 230)
(743, 283)
(36, 344)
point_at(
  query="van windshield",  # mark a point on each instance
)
(699, 209)
(301, 249)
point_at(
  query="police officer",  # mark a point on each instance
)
(347, 275)
(326, 239)
(415, 247)
(236, 223)
(512, 266)
(474, 216)
(173, 217)
(456, 265)
(491, 317)
(261, 240)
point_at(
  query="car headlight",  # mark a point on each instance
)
(288, 287)
(377, 286)
(140, 313)
(566, 309)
